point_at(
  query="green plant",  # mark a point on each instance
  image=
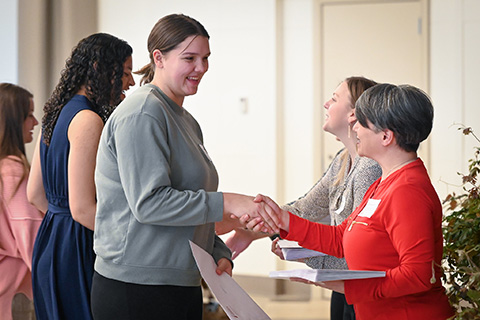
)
(461, 233)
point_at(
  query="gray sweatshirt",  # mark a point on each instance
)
(156, 189)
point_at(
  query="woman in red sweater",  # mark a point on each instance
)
(397, 226)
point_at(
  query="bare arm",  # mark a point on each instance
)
(35, 191)
(240, 239)
(84, 135)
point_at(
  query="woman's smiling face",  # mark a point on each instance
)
(338, 110)
(29, 123)
(184, 67)
(127, 78)
(369, 139)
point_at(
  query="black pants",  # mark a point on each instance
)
(340, 309)
(116, 300)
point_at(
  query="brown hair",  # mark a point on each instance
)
(166, 35)
(14, 109)
(356, 86)
(404, 109)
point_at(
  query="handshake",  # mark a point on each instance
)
(259, 214)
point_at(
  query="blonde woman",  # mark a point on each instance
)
(338, 191)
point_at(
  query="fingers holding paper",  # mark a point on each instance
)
(224, 265)
(276, 249)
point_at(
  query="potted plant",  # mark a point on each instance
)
(461, 233)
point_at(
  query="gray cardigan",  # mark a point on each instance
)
(156, 189)
(337, 202)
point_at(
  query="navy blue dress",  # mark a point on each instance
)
(63, 257)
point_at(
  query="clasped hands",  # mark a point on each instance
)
(263, 223)
(266, 216)
(259, 214)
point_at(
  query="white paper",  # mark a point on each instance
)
(236, 303)
(282, 243)
(293, 251)
(316, 275)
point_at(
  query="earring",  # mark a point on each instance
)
(349, 134)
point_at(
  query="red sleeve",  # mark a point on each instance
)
(410, 227)
(316, 236)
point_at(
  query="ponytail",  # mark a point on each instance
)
(147, 73)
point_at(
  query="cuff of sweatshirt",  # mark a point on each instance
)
(220, 250)
(215, 205)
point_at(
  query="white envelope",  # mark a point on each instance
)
(236, 303)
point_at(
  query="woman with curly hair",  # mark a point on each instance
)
(97, 73)
(19, 220)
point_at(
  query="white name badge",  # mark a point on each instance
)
(370, 208)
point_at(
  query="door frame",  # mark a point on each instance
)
(318, 64)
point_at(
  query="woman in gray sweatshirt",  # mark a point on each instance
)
(157, 188)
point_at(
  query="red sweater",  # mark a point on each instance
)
(397, 229)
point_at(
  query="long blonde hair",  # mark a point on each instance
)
(356, 86)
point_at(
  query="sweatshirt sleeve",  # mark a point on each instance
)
(143, 155)
(24, 218)
(220, 250)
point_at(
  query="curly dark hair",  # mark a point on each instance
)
(96, 63)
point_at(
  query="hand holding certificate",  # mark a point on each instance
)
(236, 303)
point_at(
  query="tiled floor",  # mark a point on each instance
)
(294, 310)
(301, 301)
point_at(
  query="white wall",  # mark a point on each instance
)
(9, 41)
(299, 94)
(455, 66)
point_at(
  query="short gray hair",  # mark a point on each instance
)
(405, 110)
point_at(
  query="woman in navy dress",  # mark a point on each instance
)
(61, 181)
